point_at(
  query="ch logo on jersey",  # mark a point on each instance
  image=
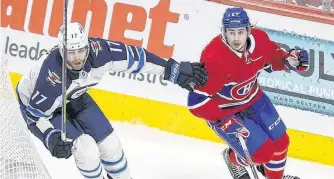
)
(242, 90)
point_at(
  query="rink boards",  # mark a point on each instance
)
(177, 119)
(181, 33)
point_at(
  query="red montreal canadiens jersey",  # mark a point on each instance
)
(232, 85)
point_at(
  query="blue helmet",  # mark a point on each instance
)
(235, 17)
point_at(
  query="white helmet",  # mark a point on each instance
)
(76, 37)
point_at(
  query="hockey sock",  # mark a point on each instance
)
(274, 169)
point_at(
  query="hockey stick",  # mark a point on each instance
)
(64, 75)
(248, 157)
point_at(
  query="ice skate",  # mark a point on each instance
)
(237, 172)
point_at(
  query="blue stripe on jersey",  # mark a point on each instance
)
(142, 57)
(130, 57)
(226, 91)
(195, 98)
(31, 117)
(35, 112)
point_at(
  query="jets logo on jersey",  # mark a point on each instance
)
(242, 90)
(96, 47)
(53, 78)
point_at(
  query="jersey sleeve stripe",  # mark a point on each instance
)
(142, 59)
(196, 100)
(131, 60)
(35, 112)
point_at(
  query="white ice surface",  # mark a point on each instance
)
(153, 154)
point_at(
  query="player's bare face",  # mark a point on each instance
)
(237, 37)
(76, 58)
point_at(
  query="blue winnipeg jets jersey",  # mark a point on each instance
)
(40, 91)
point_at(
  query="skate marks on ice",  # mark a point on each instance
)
(153, 154)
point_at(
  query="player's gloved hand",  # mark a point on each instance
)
(232, 126)
(56, 146)
(186, 74)
(298, 60)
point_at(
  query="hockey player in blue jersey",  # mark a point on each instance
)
(91, 139)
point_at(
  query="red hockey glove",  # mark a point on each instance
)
(297, 60)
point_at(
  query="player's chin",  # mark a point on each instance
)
(236, 47)
(77, 66)
(239, 48)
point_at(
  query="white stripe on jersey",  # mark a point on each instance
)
(240, 102)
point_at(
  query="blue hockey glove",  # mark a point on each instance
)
(186, 74)
(56, 146)
(298, 59)
(233, 126)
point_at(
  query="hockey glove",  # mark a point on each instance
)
(186, 74)
(56, 146)
(233, 126)
(297, 60)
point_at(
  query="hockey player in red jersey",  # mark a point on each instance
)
(233, 103)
